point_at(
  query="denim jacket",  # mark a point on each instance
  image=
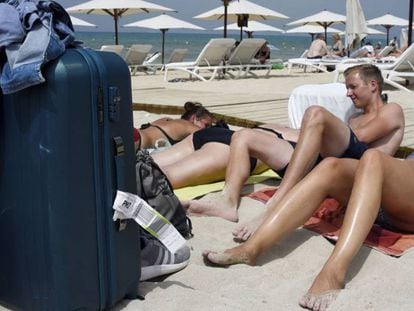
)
(32, 33)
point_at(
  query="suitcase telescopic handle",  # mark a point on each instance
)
(119, 171)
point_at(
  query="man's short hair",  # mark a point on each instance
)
(320, 36)
(367, 73)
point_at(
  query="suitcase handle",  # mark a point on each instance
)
(119, 171)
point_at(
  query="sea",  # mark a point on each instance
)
(282, 46)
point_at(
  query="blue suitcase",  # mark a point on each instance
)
(66, 146)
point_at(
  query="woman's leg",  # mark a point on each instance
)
(245, 143)
(333, 177)
(380, 180)
(205, 165)
(175, 153)
(259, 144)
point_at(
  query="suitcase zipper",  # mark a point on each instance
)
(100, 105)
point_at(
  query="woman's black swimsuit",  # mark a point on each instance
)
(223, 136)
(171, 140)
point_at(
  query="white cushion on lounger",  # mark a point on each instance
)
(332, 96)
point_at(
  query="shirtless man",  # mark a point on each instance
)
(380, 126)
(318, 47)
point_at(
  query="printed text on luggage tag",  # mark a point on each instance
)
(128, 205)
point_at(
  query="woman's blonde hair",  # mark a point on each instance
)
(336, 36)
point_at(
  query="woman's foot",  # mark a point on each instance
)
(244, 231)
(231, 256)
(218, 206)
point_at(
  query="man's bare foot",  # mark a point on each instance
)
(218, 206)
(229, 257)
(244, 231)
(323, 292)
(318, 302)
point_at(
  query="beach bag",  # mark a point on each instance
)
(154, 187)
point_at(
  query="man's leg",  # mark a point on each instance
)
(245, 143)
(380, 180)
(333, 177)
(321, 134)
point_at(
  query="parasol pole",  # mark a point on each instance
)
(226, 3)
(116, 26)
(410, 23)
(163, 44)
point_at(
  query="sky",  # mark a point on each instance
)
(295, 9)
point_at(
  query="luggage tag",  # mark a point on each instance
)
(128, 205)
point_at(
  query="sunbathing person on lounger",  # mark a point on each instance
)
(376, 189)
(171, 130)
(380, 126)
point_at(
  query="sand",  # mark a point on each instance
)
(374, 282)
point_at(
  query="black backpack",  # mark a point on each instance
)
(154, 187)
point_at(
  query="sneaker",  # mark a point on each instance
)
(157, 260)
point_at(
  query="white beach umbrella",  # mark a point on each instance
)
(373, 31)
(117, 9)
(252, 27)
(356, 26)
(312, 30)
(370, 31)
(324, 18)
(241, 11)
(163, 22)
(80, 22)
(404, 36)
(388, 21)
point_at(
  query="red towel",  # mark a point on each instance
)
(327, 220)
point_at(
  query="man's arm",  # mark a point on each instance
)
(324, 49)
(388, 119)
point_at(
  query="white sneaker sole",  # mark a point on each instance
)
(154, 271)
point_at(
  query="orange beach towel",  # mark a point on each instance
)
(327, 221)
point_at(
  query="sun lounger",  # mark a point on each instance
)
(401, 67)
(177, 55)
(385, 51)
(306, 62)
(210, 59)
(118, 49)
(242, 59)
(135, 57)
(326, 62)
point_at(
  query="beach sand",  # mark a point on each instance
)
(374, 282)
